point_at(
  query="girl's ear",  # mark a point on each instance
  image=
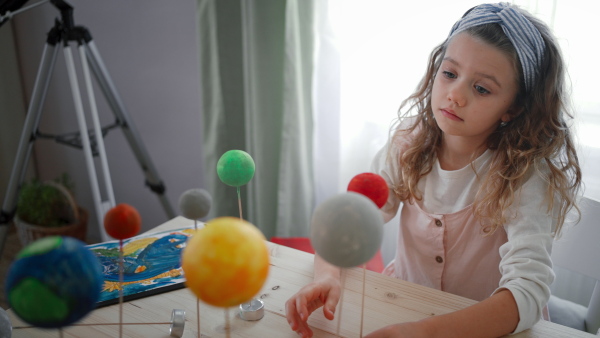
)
(514, 111)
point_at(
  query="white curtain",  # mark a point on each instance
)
(256, 69)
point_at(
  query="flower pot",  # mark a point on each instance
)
(29, 233)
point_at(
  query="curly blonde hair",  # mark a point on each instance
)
(537, 139)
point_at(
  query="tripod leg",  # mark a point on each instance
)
(98, 132)
(87, 148)
(32, 119)
(133, 137)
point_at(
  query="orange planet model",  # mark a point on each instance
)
(122, 222)
(226, 263)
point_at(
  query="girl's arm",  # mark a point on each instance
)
(323, 269)
(493, 317)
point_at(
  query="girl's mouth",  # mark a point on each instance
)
(450, 114)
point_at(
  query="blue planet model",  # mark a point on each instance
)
(54, 282)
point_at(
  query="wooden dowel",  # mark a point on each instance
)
(362, 304)
(197, 300)
(227, 328)
(341, 303)
(97, 324)
(198, 316)
(239, 202)
(121, 259)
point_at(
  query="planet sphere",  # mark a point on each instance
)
(226, 263)
(54, 282)
(235, 168)
(371, 185)
(347, 230)
(122, 222)
(195, 203)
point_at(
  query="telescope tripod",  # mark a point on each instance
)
(90, 141)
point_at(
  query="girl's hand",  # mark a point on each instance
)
(322, 292)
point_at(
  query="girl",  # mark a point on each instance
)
(484, 169)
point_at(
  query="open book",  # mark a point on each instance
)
(151, 265)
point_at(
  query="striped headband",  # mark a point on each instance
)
(524, 36)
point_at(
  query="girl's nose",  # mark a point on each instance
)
(457, 95)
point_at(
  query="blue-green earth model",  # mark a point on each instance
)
(54, 282)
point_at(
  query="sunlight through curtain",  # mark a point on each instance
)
(383, 47)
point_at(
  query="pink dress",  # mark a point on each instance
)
(434, 247)
(449, 251)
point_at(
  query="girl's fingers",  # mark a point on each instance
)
(291, 314)
(297, 314)
(300, 326)
(308, 302)
(301, 307)
(308, 299)
(331, 303)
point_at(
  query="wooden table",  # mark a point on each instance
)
(387, 300)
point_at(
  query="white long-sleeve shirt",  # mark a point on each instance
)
(442, 245)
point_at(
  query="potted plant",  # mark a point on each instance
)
(48, 209)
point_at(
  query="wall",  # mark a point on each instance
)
(150, 50)
(12, 109)
(12, 113)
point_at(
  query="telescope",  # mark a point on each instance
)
(63, 34)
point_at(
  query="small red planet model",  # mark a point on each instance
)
(122, 222)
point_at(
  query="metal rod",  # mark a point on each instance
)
(97, 129)
(85, 139)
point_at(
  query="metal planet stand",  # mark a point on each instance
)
(90, 141)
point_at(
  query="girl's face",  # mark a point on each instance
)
(473, 90)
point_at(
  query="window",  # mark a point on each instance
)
(384, 46)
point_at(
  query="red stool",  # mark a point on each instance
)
(303, 244)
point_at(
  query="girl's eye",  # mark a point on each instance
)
(449, 75)
(481, 90)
